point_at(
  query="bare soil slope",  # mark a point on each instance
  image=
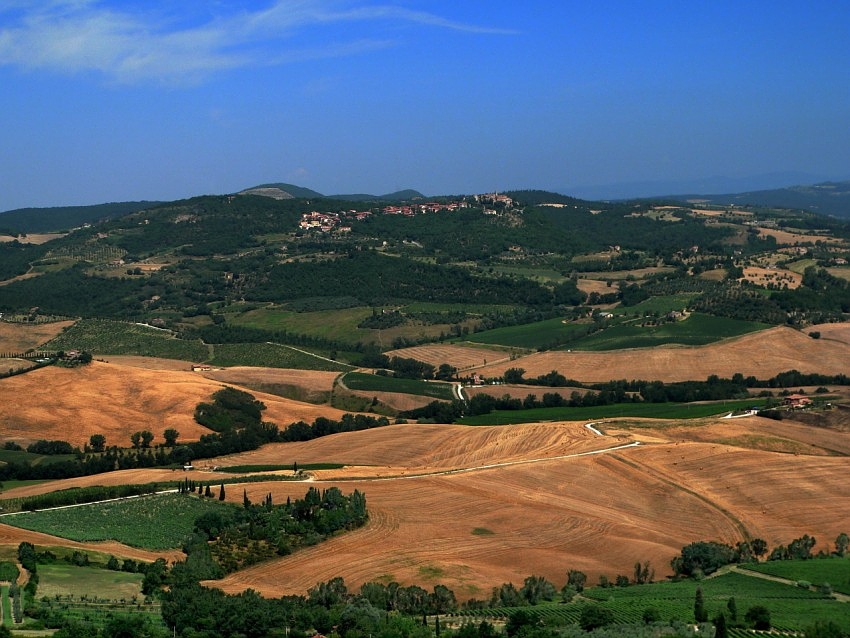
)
(762, 354)
(114, 400)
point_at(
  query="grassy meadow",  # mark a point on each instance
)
(696, 330)
(376, 383)
(150, 522)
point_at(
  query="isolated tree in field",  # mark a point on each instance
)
(842, 542)
(759, 617)
(146, 437)
(801, 548)
(700, 613)
(643, 573)
(97, 442)
(593, 616)
(170, 435)
(576, 579)
(758, 547)
(514, 375)
(536, 589)
(732, 608)
(221, 492)
(650, 615)
(136, 440)
(445, 372)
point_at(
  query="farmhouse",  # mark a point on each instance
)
(796, 401)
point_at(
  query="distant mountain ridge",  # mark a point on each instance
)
(280, 190)
(826, 198)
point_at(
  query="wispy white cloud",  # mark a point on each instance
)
(140, 45)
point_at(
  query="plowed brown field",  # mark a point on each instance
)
(115, 400)
(761, 354)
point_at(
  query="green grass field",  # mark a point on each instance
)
(150, 522)
(791, 608)
(540, 334)
(696, 330)
(376, 383)
(645, 410)
(660, 305)
(817, 571)
(101, 336)
(20, 456)
(62, 579)
(270, 355)
(8, 571)
(336, 325)
(6, 602)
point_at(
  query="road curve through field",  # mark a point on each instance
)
(844, 598)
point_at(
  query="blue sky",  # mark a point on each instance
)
(109, 101)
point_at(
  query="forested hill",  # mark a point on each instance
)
(827, 198)
(44, 220)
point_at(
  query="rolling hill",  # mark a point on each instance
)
(827, 198)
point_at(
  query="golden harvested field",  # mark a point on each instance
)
(835, 331)
(518, 391)
(306, 385)
(784, 238)
(473, 507)
(118, 477)
(19, 337)
(762, 354)
(594, 285)
(12, 364)
(395, 400)
(600, 513)
(33, 238)
(410, 448)
(461, 357)
(115, 400)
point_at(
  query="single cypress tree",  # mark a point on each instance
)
(732, 606)
(720, 630)
(700, 613)
(221, 492)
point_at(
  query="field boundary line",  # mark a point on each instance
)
(481, 468)
(311, 354)
(108, 500)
